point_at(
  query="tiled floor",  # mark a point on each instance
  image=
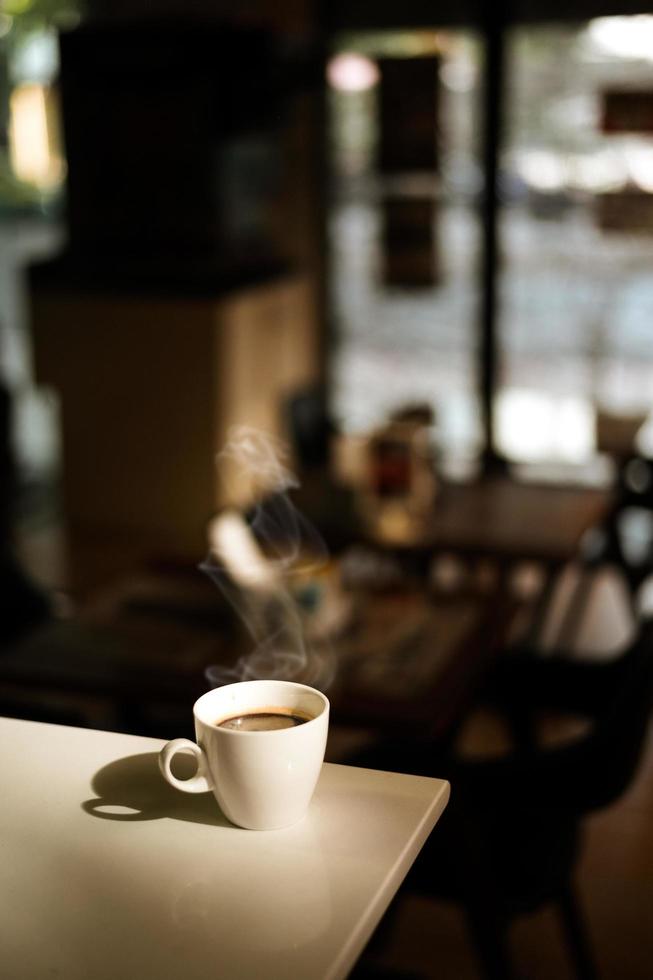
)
(615, 885)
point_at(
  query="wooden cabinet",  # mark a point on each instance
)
(149, 386)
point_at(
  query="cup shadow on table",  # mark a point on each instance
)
(132, 788)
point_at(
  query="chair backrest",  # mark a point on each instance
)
(590, 612)
(625, 537)
(605, 762)
(614, 562)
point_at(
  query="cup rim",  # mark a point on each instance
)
(283, 732)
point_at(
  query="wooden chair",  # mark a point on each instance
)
(622, 545)
(510, 839)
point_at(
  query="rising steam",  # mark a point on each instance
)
(256, 557)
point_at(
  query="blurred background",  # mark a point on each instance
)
(413, 245)
(519, 313)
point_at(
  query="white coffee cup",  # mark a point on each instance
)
(262, 780)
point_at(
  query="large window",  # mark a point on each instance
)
(575, 272)
(404, 246)
(576, 234)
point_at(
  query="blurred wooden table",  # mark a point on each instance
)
(136, 657)
(416, 660)
(503, 523)
(136, 661)
(503, 519)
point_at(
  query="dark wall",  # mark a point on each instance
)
(371, 14)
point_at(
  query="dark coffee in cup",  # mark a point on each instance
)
(264, 720)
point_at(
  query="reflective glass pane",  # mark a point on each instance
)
(404, 229)
(576, 232)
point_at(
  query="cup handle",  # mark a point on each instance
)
(199, 783)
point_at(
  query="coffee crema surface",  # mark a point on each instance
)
(264, 720)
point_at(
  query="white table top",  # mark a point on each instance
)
(106, 871)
